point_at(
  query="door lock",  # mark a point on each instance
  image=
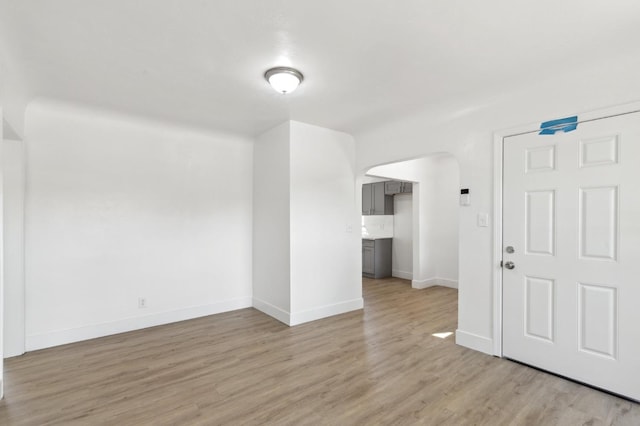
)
(510, 249)
(509, 265)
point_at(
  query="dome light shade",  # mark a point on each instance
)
(284, 79)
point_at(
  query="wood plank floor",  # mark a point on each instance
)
(378, 366)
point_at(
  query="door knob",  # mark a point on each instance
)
(509, 265)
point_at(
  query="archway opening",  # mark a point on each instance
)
(421, 227)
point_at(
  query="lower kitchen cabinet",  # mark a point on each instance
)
(376, 258)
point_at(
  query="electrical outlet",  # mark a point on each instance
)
(142, 302)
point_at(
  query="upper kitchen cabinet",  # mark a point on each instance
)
(393, 187)
(375, 201)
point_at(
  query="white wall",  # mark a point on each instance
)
(402, 249)
(271, 223)
(447, 206)
(12, 164)
(325, 225)
(372, 179)
(306, 225)
(14, 89)
(466, 130)
(377, 226)
(118, 208)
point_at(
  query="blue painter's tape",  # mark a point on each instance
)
(568, 124)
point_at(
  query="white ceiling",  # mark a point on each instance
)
(201, 62)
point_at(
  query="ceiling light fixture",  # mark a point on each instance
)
(283, 79)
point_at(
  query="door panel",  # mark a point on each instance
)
(540, 222)
(598, 330)
(539, 308)
(571, 211)
(599, 223)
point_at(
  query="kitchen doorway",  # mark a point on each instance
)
(422, 223)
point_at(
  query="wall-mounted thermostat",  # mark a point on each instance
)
(465, 198)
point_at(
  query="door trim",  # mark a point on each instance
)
(498, 163)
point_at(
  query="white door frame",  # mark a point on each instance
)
(498, 162)
(2, 313)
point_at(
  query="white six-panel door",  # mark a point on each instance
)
(571, 212)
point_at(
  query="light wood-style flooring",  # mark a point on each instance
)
(378, 366)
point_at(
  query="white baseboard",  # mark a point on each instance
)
(475, 342)
(420, 284)
(273, 311)
(13, 354)
(445, 282)
(430, 282)
(62, 337)
(326, 311)
(402, 274)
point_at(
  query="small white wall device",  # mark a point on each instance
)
(465, 198)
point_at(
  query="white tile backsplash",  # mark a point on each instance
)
(377, 226)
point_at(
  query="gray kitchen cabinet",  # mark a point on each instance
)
(394, 187)
(368, 259)
(407, 187)
(382, 203)
(376, 258)
(367, 199)
(375, 201)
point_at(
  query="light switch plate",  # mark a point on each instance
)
(483, 220)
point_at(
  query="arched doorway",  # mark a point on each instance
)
(424, 226)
